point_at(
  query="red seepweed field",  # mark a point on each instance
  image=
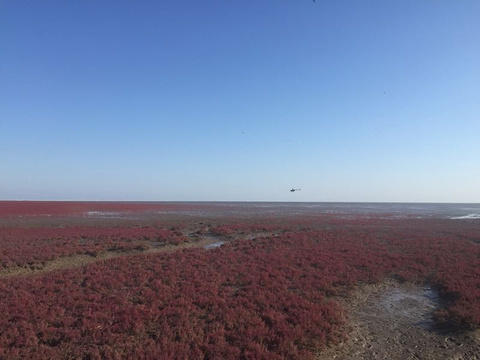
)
(270, 291)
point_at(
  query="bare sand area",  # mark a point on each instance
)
(395, 321)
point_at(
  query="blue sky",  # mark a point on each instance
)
(240, 100)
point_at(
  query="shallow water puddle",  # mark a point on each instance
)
(214, 245)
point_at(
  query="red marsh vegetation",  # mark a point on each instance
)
(268, 296)
(31, 246)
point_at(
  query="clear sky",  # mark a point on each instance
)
(349, 100)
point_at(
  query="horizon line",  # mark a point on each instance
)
(238, 201)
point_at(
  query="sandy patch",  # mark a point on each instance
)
(395, 321)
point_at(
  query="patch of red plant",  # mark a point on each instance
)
(268, 298)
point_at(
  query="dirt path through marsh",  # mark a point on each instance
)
(74, 261)
(394, 321)
(208, 241)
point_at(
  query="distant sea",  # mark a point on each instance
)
(337, 210)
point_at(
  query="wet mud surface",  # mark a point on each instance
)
(395, 321)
